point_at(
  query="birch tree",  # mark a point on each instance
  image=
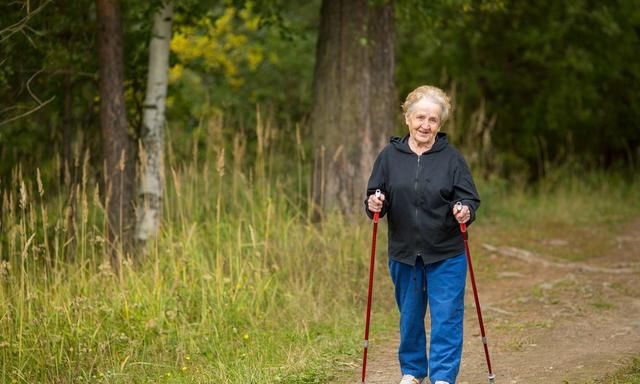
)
(151, 182)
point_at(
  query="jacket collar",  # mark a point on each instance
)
(402, 143)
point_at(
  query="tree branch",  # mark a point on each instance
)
(29, 88)
(19, 26)
(27, 113)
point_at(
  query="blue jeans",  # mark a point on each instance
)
(440, 287)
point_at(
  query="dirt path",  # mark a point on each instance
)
(546, 321)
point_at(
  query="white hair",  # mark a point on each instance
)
(432, 94)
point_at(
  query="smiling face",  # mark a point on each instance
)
(424, 120)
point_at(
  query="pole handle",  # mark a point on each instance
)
(463, 226)
(376, 215)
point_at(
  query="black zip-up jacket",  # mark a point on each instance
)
(420, 192)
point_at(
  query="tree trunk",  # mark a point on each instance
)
(66, 161)
(150, 194)
(118, 149)
(355, 103)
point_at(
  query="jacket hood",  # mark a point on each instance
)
(402, 143)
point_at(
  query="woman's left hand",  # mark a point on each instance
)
(462, 213)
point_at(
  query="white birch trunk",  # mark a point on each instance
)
(151, 181)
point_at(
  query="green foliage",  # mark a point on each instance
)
(232, 57)
(40, 60)
(52, 57)
(561, 78)
(536, 84)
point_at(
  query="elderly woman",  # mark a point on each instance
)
(422, 177)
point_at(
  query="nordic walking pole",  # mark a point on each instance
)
(376, 216)
(463, 229)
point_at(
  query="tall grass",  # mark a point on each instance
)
(587, 211)
(567, 195)
(238, 287)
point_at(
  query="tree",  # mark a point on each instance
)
(19, 28)
(117, 146)
(555, 82)
(355, 102)
(45, 66)
(150, 193)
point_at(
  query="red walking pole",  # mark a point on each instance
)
(376, 216)
(463, 229)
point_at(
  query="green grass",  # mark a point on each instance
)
(575, 216)
(627, 375)
(239, 286)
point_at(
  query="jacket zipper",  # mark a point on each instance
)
(417, 197)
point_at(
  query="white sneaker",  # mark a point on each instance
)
(409, 379)
(441, 382)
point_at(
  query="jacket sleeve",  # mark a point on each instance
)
(464, 188)
(377, 180)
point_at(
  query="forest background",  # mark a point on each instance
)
(269, 104)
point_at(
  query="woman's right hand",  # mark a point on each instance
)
(375, 203)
